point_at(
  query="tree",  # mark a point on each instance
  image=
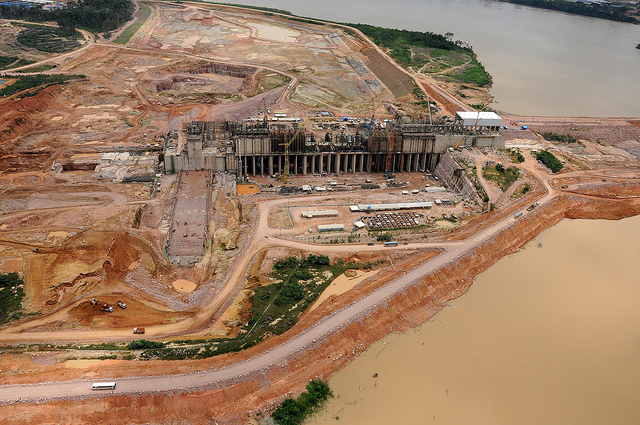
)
(384, 237)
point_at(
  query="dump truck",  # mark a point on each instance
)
(138, 330)
(106, 308)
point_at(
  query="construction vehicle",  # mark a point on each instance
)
(138, 330)
(106, 308)
(285, 173)
(532, 206)
(94, 301)
(122, 305)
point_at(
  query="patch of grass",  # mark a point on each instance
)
(522, 190)
(39, 80)
(473, 73)
(143, 344)
(504, 177)
(565, 138)
(11, 294)
(7, 62)
(516, 156)
(143, 13)
(39, 68)
(550, 161)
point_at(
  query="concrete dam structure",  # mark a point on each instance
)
(259, 148)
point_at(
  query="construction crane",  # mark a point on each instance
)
(285, 173)
(469, 131)
(372, 121)
(265, 110)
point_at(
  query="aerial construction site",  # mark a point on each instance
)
(232, 202)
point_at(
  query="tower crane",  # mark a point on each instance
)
(285, 173)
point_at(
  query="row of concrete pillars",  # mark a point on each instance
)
(336, 162)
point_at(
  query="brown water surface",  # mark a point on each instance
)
(550, 335)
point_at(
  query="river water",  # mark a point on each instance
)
(549, 335)
(543, 62)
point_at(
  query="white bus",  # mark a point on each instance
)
(104, 386)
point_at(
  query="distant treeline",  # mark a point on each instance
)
(38, 80)
(262, 8)
(593, 10)
(92, 15)
(394, 39)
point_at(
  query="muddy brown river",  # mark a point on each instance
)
(550, 335)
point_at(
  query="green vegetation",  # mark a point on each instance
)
(39, 68)
(474, 73)
(613, 13)
(49, 39)
(384, 237)
(522, 190)
(11, 294)
(262, 8)
(503, 177)
(400, 40)
(294, 411)
(12, 62)
(39, 80)
(92, 15)
(516, 156)
(143, 344)
(434, 52)
(549, 160)
(566, 138)
(143, 13)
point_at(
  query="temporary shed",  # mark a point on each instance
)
(479, 119)
(335, 227)
(319, 213)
